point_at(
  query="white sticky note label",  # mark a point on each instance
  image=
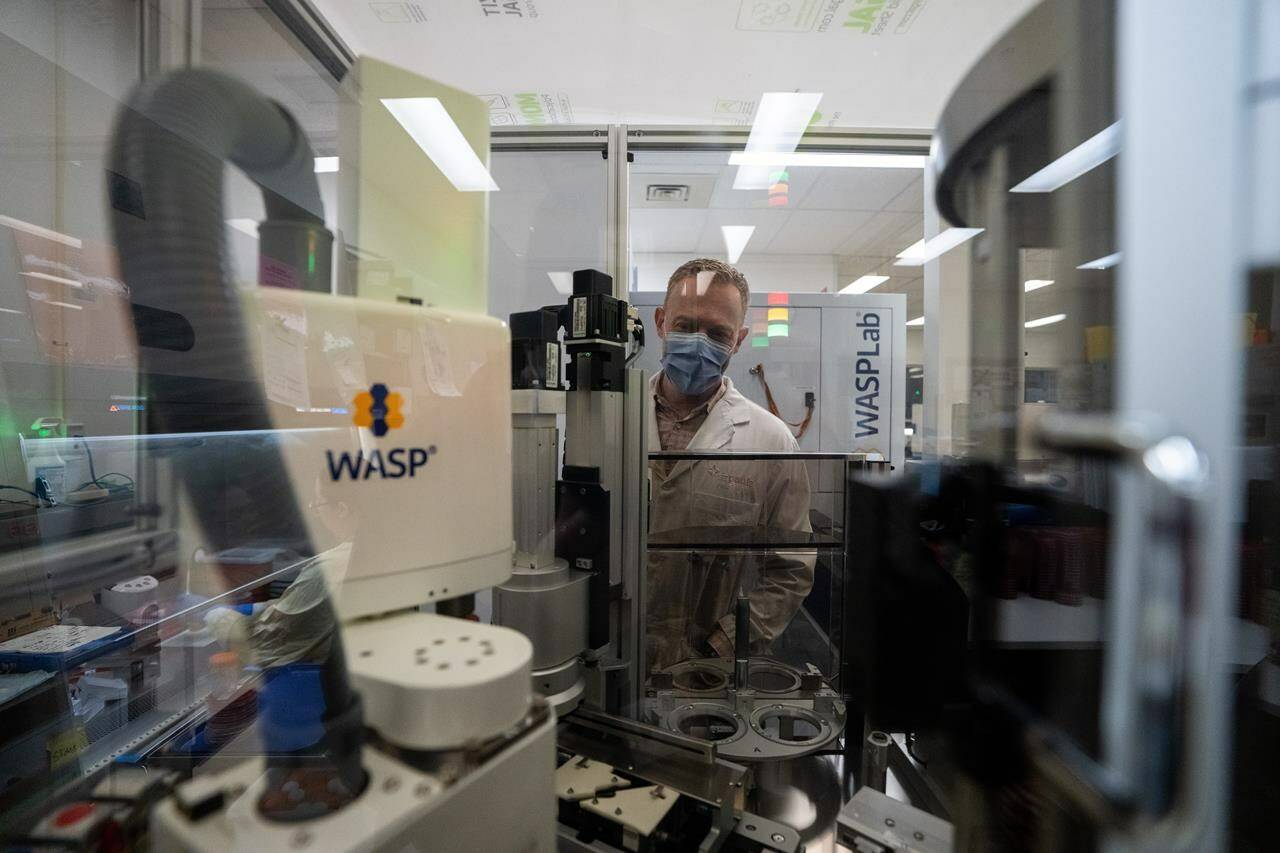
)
(436, 360)
(284, 366)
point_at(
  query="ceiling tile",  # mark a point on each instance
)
(853, 189)
(666, 230)
(817, 231)
(880, 234)
(910, 199)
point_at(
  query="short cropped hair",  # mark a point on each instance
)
(722, 274)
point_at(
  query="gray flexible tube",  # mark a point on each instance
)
(168, 153)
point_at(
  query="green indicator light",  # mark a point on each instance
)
(779, 330)
(45, 433)
(759, 341)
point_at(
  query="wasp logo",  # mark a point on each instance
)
(379, 409)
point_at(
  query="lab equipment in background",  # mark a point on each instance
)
(834, 361)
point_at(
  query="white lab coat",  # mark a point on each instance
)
(690, 595)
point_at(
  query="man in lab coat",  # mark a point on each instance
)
(691, 594)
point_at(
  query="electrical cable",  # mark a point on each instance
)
(24, 491)
(802, 426)
(911, 750)
(100, 481)
(638, 334)
(88, 452)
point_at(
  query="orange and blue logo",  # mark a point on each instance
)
(379, 409)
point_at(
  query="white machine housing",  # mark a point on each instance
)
(419, 505)
(394, 535)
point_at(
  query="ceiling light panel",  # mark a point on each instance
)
(1045, 321)
(864, 284)
(780, 122)
(1086, 156)
(825, 159)
(429, 125)
(38, 231)
(920, 253)
(735, 240)
(1106, 262)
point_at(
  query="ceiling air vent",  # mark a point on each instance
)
(667, 192)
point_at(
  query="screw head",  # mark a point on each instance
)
(391, 783)
(890, 822)
(778, 838)
(919, 836)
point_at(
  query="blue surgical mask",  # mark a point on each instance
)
(693, 362)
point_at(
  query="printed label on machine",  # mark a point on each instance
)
(553, 365)
(580, 317)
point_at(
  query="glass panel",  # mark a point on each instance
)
(813, 230)
(66, 371)
(249, 42)
(754, 537)
(549, 219)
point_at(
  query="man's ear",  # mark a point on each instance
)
(742, 336)
(660, 321)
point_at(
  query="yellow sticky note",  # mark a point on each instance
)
(65, 746)
(1098, 344)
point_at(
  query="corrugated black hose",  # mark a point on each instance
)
(169, 150)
